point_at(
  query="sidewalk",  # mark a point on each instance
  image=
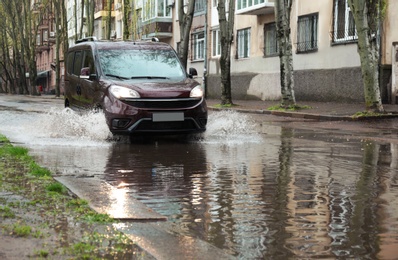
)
(325, 111)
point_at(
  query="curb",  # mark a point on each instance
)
(317, 117)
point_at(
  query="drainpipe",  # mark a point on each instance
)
(205, 55)
(378, 42)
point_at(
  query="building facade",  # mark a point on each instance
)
(45, 48)
(325, 58)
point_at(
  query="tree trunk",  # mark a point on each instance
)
(226, 37)
(282, 18)
(366, 17)
(126, 16)
(75, 19)
(185, 22)
(109, 20)
(81, 18)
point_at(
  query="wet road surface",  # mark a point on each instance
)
(254, 187)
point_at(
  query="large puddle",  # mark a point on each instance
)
(269, 193)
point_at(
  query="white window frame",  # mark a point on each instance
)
(243, 39)
(151, 9)
(243, 4)
(200, 6)
(216, 42)
(198, 46)
(347, 24)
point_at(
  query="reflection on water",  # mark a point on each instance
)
(281, 194)
(282, 197)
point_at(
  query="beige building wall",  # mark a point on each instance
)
(389, 58)
(330, 73)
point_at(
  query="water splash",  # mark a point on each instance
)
(231, 127)
(56, 127)
(66, 124)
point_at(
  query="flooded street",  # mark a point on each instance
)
(254, 188)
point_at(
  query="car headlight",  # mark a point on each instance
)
(196, 92)
(123, 93)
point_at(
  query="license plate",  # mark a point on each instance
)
(168, 116)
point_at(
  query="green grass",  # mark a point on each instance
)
(50, 200)
(3, 139)
(6, 212)
(38, 171)
(56, 187)
(288, 108)
(366, 114)
(225, 106)
(21, 230)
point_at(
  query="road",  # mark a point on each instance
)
(256, 186)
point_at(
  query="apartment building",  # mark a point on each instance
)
(45, 48)
(326, 62)
(325, 59)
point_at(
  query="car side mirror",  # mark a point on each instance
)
(85, 73)
(192, 72)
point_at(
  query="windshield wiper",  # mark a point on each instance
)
(148, 77)
(116, 76)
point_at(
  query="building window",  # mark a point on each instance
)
(216, 42)
(199, 6)
(242, 4)
(343, 23)
(38, 39)
(198, 46)
(271, 47)
(243, 38)
(45, 35)
(156, 8)
(307, 33)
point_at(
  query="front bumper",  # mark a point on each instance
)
(140, 116)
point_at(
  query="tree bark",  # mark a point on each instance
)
(126, 16)
(226, 37)
(185, 22)
(282, 18)
(367, 17)
(109, 20)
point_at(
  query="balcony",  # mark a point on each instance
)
(255, 7)
(160, 27)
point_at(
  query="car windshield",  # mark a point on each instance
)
(141, 64)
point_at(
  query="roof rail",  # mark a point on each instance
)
(87, 39)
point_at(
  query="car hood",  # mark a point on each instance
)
(159, 88)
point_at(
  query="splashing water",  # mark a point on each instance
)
(57, 127)
(68, 123)
(231, 127)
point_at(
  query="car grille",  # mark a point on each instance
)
(164, 103)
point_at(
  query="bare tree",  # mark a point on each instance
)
(226, 38)
(90, 10)
(282, 19)
(109, 19)
(126, 16)
(367, 17)
(185, 22)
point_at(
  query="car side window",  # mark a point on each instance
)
(71, 55)
(89, 61)
(77, 64)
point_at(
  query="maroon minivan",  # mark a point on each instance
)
(140, 86)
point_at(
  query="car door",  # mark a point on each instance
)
(72, 80)
(89, 81)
